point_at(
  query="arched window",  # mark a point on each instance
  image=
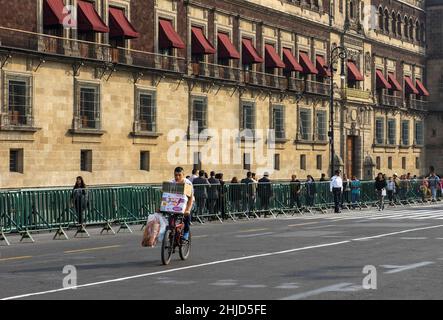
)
(417, 31)
(422, 33)
(411, 29)
(399, 25)
(406, 28)
(394, 24)
(380, 18)
(386, 21)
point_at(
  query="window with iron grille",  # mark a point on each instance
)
(391, 132)
(247, 116)
(199, 113)
(321, 126)
(405, 132)
(247, 161)
(18, 102)
(379, 131)
(303, 162)
(419, 140)
(145, 160)
(378, 163)
(146, 112)
(305, 124)
(403, 163)
(88, 106)
(277, 161)
(278, 121)
(197, 165)
(417, 163)
(86, 160)
(16, 160)
(389, 162)
(319, 162)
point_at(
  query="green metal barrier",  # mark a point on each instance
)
(25, 211)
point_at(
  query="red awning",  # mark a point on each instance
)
(290, 61)
(200, 44)
(353, 72)
(168, 37)
(53, 12)
(306, 63)
(226, 49)
(322, 67)
(88, 18)
(249, 54)
(382, 83)
(272, 59)
(421, 88)
(120, 26)
(394, 83)
(409, 86)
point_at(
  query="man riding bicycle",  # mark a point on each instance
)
(179, 177)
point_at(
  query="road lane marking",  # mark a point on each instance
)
(413, 238)
(15, 258)
(302, 224)
(254, 235)
(333, 288)
(253, 230)
(181, 269)
(397, 269)
(254, 286)
(92, 249)
(290, 285)
(203, 236)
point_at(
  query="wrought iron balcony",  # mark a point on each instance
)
(352, 93)
(315, 87)
(417, 104)
(216, 71)
(390, 101)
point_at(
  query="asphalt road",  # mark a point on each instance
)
(301, 257)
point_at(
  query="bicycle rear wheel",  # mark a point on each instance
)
(185, 248)
(167, 247)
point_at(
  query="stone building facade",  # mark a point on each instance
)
(116, 98)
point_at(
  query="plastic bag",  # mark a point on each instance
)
(155, 226)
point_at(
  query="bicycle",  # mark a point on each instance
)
(173, 239)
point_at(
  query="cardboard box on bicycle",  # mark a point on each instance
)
(175, 197)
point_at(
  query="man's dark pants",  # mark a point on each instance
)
(337, 198)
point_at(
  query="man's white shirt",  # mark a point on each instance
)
(336, 182)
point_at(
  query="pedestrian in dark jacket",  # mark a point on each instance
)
(220, 207)
(295, 190)
(264, 191)
(79, 199)
(249, 192)
(380, 189)
(200, 192)
(311, 190)
(213, 192)
(235, 195)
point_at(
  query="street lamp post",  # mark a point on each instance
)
(337, 53)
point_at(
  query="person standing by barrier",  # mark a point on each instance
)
(195, 175)
(79, 199)
(200, 192)
(248, 186)
(323, 177)
(221, 195)
(390, 189)
(295, 190)
(213, 193)
(336, 187)
(355, 191)
(235, 195)
(434, 183)
(264, 191)
(397, 192)
(310, 191)
(345, 196)
(380, 189)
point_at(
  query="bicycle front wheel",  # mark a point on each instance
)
(185, 248)
(167, 247)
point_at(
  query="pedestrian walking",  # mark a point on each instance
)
(434, 184)
(391, 190)
(201, 192)
(310, 191)
(213, 193)
(397, 192)
(295, 190)
(355, 191)
(380, 189)
(79, 200)
(235, 195)
(264, 192)
(336, 187)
